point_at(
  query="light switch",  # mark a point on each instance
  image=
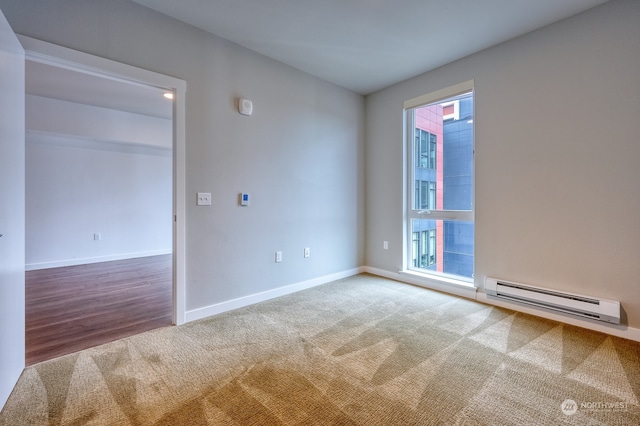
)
(204, 199)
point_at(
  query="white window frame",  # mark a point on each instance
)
(445, 215)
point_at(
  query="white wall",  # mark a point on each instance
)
(93, 170)
(300, 155)
(55, 116)
(557, 175)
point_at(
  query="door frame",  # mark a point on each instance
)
(12, 208)
(51, 54)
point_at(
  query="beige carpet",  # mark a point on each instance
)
(360, 351)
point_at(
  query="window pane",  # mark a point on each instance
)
(458, 248)
(446, 147)
(447, 249)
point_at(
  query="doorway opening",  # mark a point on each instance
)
(104, 172)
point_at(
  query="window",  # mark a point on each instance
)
(428, 254)
(451, 110)
(423, 249)
(425, 197)
(426, 148)
(440, 217)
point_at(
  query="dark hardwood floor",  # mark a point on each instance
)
(76, 307)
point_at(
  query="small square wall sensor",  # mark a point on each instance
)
(245, 106)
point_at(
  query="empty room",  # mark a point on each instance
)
(375, 213)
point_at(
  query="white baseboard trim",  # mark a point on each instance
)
(468, 292)
(251, 299)
(615, 330)
(97, 259)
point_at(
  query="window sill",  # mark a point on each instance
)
(445, 284)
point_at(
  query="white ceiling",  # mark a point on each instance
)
(366, 45)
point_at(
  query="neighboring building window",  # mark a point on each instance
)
(425, 195)
(451, 110)
(423, 249)
(426, 147)
(415, 252)
(440, 216)
(432, 247)
(428, 248)
(432, 195)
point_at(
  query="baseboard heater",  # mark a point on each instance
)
(575, 304)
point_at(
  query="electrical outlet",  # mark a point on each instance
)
(307, 252)
(385, 245)
(278, 256)
(97, 236)
(204, 199)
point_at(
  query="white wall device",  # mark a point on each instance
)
(245, 106)
(244, 199)
(204, 199)
(569, 303)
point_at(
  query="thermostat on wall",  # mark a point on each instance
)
(245, 106)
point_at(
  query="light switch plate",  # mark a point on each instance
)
(204, 199)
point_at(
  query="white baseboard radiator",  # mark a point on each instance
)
(575, 304)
